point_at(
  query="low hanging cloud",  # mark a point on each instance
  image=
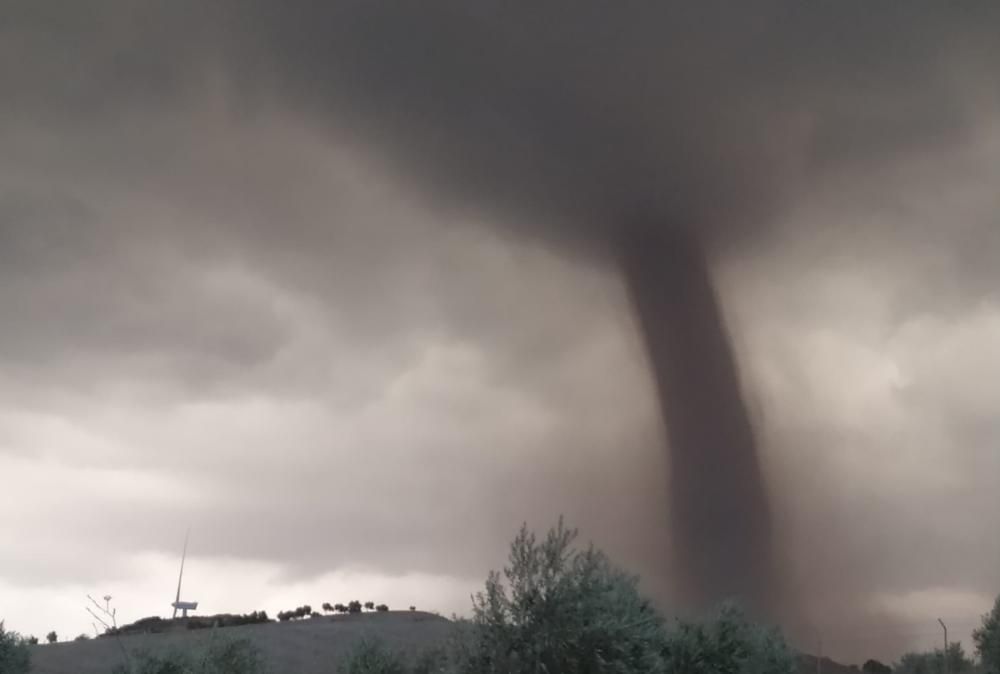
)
(345, 301)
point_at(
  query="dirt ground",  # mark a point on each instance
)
(312, 646)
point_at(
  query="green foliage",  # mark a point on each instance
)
(218, 656)
(987, 640)
(561, 610)
(933, 662)
(15, 657)
(370, 656)
(727, 642)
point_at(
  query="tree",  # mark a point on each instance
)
(32, 640)
(327, 608)
(340, 608)
(933, 662)
(354, 607)
(370, 605)
(876, 667)
(52, 637)
(987, 640)
(562, 610)
(81, 637)
(15, 657)
(382, 608)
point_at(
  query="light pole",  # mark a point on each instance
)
(945, 627)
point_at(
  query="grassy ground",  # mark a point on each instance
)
(311, 646)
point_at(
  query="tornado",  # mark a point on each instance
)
(719, 512)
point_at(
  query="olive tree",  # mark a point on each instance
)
(987, 640)
(558, 608)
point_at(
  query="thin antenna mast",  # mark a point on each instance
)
(180, 576)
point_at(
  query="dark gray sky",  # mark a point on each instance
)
(279, 275)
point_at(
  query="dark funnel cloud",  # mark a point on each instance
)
(720, 520)
(564, 120)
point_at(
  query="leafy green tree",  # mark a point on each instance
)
(561, 609)
(15, 657)
(987, 640)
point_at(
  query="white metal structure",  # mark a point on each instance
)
(183, 606)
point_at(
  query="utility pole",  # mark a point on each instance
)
(945, 627)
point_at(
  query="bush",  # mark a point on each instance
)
(81, 637)
(728, 642)
(987, 640)
(370, 656)
(382, 608)
(370, 605)
(218, 656)
(561, 610)
(875, 667)
(15, 657)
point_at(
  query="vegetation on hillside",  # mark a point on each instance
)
(15, 658)
(218, 656)
(559, 608)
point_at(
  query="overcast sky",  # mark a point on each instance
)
(226, 307)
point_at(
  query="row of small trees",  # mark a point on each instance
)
(353, 607)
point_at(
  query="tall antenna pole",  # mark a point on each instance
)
(180, 577)
(945, 645)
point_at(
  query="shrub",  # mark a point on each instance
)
(413, 608)
(15, 657)
(727, 642)
(382, 608)
(561, 610)
(875, 667)
(218, 656)
(32, 640)
(81, 637)
(370, 605)
(370, 656)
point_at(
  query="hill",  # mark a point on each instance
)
(312, 646)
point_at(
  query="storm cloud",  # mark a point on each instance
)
(311, 268)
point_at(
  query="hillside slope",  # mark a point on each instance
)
(313, 646)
